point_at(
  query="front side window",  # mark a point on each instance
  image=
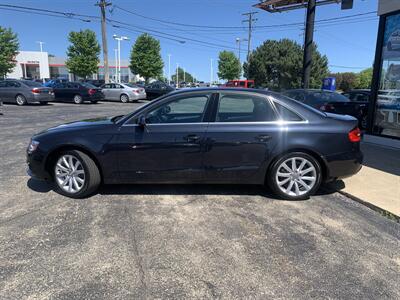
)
(184, 110)
(244, 108)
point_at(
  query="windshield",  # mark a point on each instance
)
(32, 83)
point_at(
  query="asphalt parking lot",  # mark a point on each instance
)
(171, 241)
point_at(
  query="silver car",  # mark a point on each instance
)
(124, 92)
(24, 91)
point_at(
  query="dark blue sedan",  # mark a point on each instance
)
(214, 136)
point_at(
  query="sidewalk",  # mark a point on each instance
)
(378, 182)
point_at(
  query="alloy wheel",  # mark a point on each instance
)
(77, 99)
(124, 99)
(20, 100)
(70, 174)
(296, 176)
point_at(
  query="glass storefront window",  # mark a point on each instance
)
(387, 117)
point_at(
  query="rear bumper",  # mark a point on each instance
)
(343, 165)
(135, 97)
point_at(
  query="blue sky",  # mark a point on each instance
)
(345, 44)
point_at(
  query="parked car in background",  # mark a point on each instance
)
(24, 91)
(211, 136)
(157, 89)
(240, 83)
(95, 82)
(52, 82)
(124, 92)
(358, 95)
(331, 102)
(77, 92)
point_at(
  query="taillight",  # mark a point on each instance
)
(136, 91)
(35, 91)
(355, 135)
(92, 92)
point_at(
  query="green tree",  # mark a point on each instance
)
(346, 81)
(8, 50)
(278, 65)
(83, 53)
(365, 79)
(188, 77)
(229, 66)
(146, 57)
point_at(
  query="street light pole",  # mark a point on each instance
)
(40, 45)
(177, 75)
(211, 72)
(184, 75)
(119, 39)
(116, 65)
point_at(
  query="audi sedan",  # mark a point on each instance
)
(212, 136)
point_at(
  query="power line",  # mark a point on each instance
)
(236, 27)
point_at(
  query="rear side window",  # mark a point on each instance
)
(286, 114)
(244, 108)
(317, 97)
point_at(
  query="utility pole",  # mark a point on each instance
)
(250, 20)
(184, 75)
(116, 65)
(40, 45)
(169, 69)
(211, 72)
(177, 75)
(103, 4)
(308, 41)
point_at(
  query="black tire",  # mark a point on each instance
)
(77, 99)
(44, 102)
(94, 101)
(124, 98)
(20, 99)
(272, 177)
(92, 175)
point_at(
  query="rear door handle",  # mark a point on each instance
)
(191, 138)
(263, 137)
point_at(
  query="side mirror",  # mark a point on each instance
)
(142, 121)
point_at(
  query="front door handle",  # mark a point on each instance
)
(263, 137)
(191, 138)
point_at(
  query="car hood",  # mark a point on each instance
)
(87, 123)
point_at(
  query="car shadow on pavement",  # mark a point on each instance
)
(185, 189)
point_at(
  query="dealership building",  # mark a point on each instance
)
(384, 107)
(39, 65)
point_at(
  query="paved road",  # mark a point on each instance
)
(138, 242)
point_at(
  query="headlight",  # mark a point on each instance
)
(33, 146)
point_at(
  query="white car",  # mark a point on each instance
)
(124, 92)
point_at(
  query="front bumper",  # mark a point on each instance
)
(343, 165)
(36, 166)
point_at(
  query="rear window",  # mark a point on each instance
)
(31, 83)
(88, 85)
(131, 85)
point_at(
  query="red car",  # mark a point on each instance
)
(248, 84)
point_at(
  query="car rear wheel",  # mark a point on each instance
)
(295, 176)
(44, 102)
(20, 99)
(124, 98)
(94, 101)
(78, 99)
(76, 174)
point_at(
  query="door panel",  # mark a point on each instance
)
(238, 144)
(169, 148)
(161, 152)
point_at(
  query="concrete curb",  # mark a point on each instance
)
(378, 209)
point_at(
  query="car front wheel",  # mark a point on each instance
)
(295, 176)
(76, 174)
